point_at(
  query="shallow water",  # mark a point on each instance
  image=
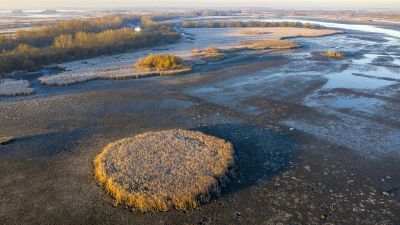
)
(357, 27)
(365, 79)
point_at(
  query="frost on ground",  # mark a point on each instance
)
(10, 87)
(368, 138)
(70, 78)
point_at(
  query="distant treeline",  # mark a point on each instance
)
(224, 24)
(43, 36)
(78, 39)
(211, 12)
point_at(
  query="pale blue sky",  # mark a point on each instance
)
(326, 4)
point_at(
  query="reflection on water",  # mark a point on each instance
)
(347, 80)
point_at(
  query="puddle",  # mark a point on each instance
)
(347, 80)
(354, 103)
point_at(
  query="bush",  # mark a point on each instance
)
(155, 62)
(333, 54)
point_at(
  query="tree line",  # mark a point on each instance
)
(225, 24)
(79, 39)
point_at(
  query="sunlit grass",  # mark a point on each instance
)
(158, 62)
(333, 54)
(159, 171)
(5, 140)
(210, 54)
(271, 44)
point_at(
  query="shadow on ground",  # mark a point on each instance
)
(260, 153)
(47, 144)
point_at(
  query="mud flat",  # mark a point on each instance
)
(283, 175)
(11, 88)
(313, 142)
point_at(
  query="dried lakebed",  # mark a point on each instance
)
(315, 142)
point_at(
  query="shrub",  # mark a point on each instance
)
(333, 54)
(154, 62)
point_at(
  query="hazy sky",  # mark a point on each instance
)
(326, 4)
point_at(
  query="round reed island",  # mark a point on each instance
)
(159, 171)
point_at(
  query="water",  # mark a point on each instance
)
(357, 27)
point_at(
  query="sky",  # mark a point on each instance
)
(296, 4)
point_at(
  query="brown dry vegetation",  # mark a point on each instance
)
(210, 54)
(154, 62)
(5, 140)
(159, 171)
(271, 44)
(287, 32)
(80, 38)
(274, 36)
(335, 55)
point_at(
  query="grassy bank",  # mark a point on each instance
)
(78, 39)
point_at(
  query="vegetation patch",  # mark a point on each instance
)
(334, 54)
(286, 32)
(271, 44)
(10, 88)
(78, 39)
(145, 69)
(210, 54)
(161, 63)
(5, 140)
(159, 171)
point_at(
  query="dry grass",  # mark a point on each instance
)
(210, 54)
(286, 32)
(335, 55)
(252, 32)
(158, 62)
(10, 88)
(5, 140)
(274, 35)
(159, 171)
(270, 44)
